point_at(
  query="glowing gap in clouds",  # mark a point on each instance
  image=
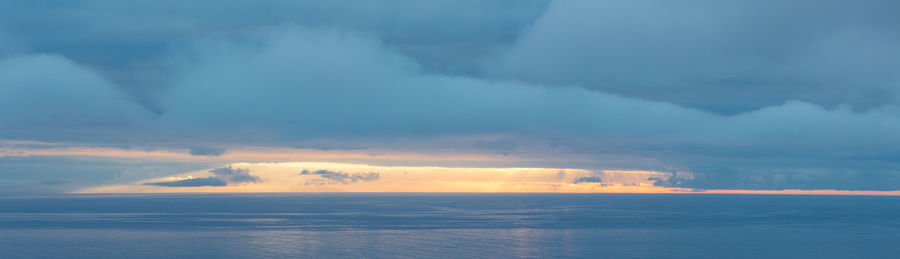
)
(345, 177)
(285, 176)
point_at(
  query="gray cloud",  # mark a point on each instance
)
(128, 43)
(193, 182)
(207, 151)
(591, 179)
(334, 177)
(235, 175)
(674, 180)
(802, 99)
(50, 96)
(722, 57)
(223, 176)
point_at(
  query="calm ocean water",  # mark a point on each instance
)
(450, 226)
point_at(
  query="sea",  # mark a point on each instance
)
(429, 225)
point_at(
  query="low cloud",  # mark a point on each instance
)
(235, 175)
(335, 177)
(223, 176)
(207, 151)
(192, 182)
(672, 181)
(591, 179)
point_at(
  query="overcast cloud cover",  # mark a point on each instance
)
(743, 94)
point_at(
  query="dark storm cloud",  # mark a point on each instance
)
(235, 175)
(744, 94)
(193, 182)
(334, 177)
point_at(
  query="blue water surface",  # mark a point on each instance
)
(362, 225)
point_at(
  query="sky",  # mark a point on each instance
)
(476, 96)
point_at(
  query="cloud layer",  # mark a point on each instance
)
(221, 177)
(48, 95)
(805, 98)
(722, 57)
(235, 175)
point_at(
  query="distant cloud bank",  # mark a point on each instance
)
(760, 95)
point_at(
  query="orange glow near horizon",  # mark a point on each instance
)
(287, 177)
(279, 167)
